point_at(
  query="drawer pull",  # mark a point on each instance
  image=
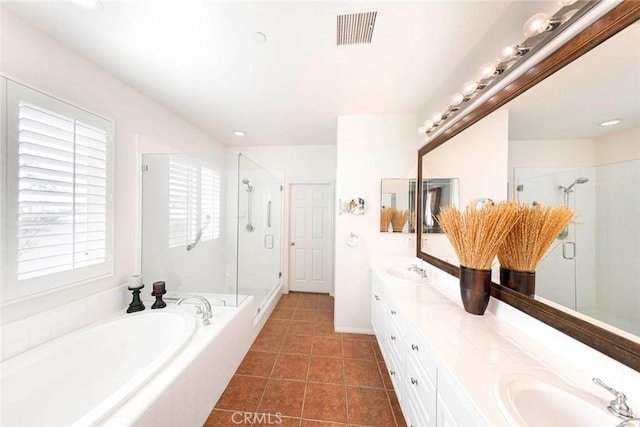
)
(414, 381)
(393, 337)
(392, 372)
(377, 297)
(393, 312)
(414, 347)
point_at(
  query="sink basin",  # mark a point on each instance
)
(526, 400)
(406, 275)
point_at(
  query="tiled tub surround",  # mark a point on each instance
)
(96, 368)
(471, 353)
(31, 331)
(182, 392)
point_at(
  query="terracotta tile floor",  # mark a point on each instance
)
(300, 372)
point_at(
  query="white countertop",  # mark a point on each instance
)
(476, 351)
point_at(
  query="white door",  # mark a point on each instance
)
(310, 238)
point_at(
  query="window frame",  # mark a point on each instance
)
(13, 288)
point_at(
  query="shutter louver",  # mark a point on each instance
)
(62, 185)
(194, 202)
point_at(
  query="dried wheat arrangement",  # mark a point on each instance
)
(477, 233)
(528, 241)
(385, 218)
(399, 219)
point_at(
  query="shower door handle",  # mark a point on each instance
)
(269, 214)
(572, 255)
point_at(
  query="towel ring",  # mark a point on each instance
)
(353, 240)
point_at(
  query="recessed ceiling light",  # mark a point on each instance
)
(238, 133)
(610, 122)
(259, 37)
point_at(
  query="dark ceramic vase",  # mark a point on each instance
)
(475, 289)
(520, 281)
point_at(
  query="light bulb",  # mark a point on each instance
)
(437, 118)
(537, 24)
(428, 124)
(509, 52)
(566, 2)
(487, 70)
(457, 99)
(469, 88)
(422, 130)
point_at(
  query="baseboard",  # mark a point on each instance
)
(367, 331)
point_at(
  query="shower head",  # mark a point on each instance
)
(581, 180)
(249, 186)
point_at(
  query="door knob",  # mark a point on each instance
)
(293, 243)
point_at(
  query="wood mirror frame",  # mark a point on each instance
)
(617, 347)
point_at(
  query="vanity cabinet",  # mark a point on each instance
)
(385, 320)
(427, 395)
(414, 380)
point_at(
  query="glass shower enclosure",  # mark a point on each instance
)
(258, 230)
(211, 228)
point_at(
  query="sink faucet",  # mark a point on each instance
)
(204, 308)
(617, 406)
(416, 269)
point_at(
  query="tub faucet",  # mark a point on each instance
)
(204, 308)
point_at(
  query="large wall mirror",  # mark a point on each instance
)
(542, 143)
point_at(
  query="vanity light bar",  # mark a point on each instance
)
(536, 29)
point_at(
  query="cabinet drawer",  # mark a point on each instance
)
(395, 372)
(420, 390)
(416, 345)
(394, 341)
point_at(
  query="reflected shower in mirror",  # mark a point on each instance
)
(397, 205)
(437, 194)
(556, 148)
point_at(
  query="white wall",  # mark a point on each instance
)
(618, 147)
(293, 165)
(618, 175)
(35, 59)
(482, 173)
(369, 148)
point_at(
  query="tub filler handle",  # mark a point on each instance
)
(204, 308)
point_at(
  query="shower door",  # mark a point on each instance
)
(259, 235)
(556, 274)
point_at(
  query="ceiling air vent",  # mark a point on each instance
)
(355, 28)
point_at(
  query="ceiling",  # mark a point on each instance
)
(201, 59)
(601, 85)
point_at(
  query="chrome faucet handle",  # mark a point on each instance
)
(617, 406)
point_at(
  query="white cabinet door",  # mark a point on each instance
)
(444, 416)
(420, 391)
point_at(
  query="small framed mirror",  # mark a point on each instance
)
(397, 205)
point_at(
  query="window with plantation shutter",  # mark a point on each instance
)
(194, 202)
(59, 167)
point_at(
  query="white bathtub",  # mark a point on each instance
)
(83, 377)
